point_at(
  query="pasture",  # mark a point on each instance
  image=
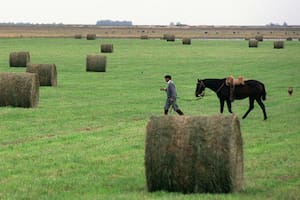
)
(86, 138)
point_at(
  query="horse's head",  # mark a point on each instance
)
(200, 89)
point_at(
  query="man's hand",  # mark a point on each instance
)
(163, 89)
(171, 99)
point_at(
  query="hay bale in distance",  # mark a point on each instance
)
(199, 154)
(289, 39)
(91, 36)
(78, 36)
(259, 38)
(47, 73)
(19, 59)
(96, 63)
(144, 37)
(19, 89)
(169, 37)
(107, 48)
(253, 43)
(186, 41)
(278, 44)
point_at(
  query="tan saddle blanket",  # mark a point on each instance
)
(231, 81)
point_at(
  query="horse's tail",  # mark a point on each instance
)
(264, 94)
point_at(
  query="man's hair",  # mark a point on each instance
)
(168, 76)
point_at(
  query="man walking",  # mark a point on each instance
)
(171, 96)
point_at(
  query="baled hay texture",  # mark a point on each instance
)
(107, 48)
(289, 39)
(253, 43)
(91, 36)
(169, 37)
(96, 63)
(19, 89)
(47, 73)
(199, 154)
(78, 36)
(144, 37)
(19, 59)
(259, 38)
(278, 44)
(186, 41)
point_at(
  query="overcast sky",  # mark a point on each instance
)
(153, 12)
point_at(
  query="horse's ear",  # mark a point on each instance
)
(198, 80)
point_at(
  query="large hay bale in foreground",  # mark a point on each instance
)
(91, 36)
(186, 41)
(107, 48)
(19, 89)
(96, 63)
(47, 73)
(253, 43)
(259, 38)
(278, 44)
(19, 59)
(199, 154)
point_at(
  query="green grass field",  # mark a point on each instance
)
(86, 138)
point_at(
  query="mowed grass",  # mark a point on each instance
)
(86, 138)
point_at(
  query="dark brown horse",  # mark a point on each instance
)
(253, 89)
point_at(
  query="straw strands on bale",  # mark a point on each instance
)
(19, 89)
(19, 59)
(96, 63)
(107, 48)
(259, 38)
(47, 73)
(199, 154)
(186, 41)
(78, 36)
(253, 43)
(278, 44)
(91, 36)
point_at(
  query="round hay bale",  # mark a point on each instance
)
(107, 48)
(289, 39)
(144, 37)
(19, 89)
(199, 154)
(19, 59)
(259, 38)
(278, 44)
(47, 73)
(253, 43)
(91, 36)
(186, 41)
(78, 36)
(169, 37)
(96, 63)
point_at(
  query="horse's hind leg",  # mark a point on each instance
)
(262, 106)
(251, 106)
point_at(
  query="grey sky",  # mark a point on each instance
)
(159, 12)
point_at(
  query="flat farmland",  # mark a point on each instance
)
(196, 32)
(86, 138)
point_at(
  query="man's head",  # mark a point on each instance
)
(168, 77)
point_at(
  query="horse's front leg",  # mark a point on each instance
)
(228, 102)
(251, 106)
(221, 105)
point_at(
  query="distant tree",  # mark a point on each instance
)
(285, 24)
(113, 23)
